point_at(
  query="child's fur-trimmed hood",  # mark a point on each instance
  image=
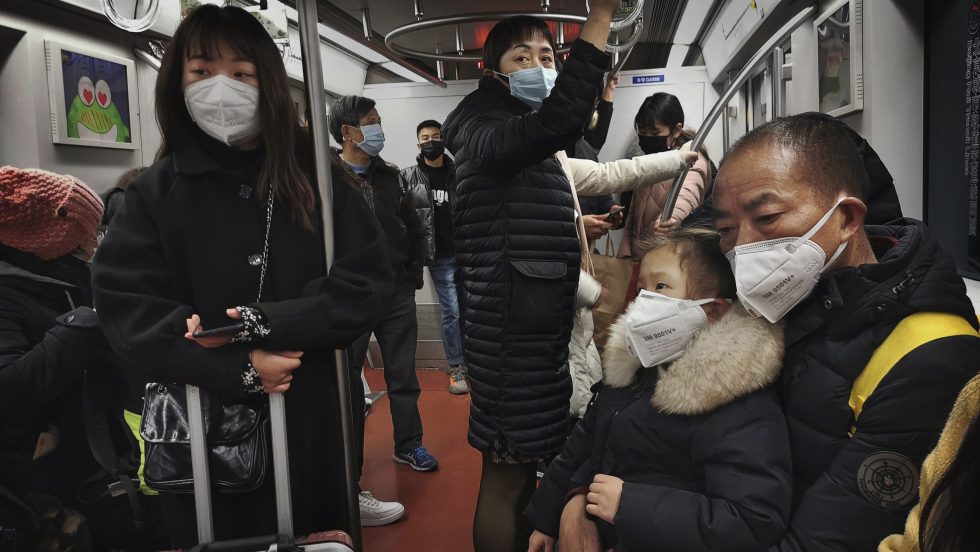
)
(735, 356)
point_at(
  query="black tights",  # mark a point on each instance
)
(505, 490)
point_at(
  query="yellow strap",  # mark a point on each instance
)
(912, 332)
(133, 421)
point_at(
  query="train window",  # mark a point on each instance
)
(758, 93)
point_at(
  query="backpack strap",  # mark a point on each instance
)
(911, 333)
(119, 466)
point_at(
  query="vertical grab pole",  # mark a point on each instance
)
(722, 103)
(313, 77)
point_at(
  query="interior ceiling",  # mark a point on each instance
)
(661, 18)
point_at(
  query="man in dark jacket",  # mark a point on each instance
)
(355, 123)
(431, 182)
(856, 469)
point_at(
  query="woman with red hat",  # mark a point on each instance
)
(50, 341)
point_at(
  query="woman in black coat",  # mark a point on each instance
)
(518, 252)
(224, 225)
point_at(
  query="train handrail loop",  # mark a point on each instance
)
(630, 14)
(428, 24)
(133, 25)
(626, 15)
(726, 97)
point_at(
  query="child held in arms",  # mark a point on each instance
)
(684, 446)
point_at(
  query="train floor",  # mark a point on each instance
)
(439, 505)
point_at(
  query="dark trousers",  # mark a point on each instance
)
(397, 334)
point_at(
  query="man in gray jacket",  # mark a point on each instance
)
(432, 185)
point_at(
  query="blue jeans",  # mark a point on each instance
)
(443, 272)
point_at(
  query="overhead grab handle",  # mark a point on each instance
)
(722, 102)
(629, 15)
(132, 24)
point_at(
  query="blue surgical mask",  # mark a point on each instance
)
(374, 140)
(532, 86)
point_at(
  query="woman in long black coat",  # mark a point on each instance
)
(190, 243)
(518, 253)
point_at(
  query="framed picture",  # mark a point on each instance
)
(93, 98)
(839, 58)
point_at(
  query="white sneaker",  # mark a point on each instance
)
(375, 512)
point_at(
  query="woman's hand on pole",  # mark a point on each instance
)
(596, 28)
(275, 369)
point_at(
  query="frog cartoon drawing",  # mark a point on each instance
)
(93, 116)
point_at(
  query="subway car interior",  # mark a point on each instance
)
(531, 275)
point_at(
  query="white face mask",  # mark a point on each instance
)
(773, 276)
(659, 328)
(224, 108)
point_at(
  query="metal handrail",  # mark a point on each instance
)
(309, 37)
(634, 20)
(427, 24)
(722, 102)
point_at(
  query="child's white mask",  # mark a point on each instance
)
(224, 108)
(659, 328)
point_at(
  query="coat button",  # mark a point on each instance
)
(245, 192)
(255, 260)
(827, 303)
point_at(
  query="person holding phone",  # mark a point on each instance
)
(224, 229)
(599, 212)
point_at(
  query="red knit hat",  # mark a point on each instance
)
(46, 214)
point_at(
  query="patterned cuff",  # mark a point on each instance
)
(251, 382)
(256, 326)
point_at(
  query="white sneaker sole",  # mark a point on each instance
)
(384, 520)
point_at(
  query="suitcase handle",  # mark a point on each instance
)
(199, 466)
(202, 476)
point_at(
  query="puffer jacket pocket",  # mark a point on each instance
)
(536, 291)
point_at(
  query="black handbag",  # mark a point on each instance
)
(237, 437)
(237, 434)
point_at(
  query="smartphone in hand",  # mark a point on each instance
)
(223, 331)
(616, 216)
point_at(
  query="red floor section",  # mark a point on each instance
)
(439, 505)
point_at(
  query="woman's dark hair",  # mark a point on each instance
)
(666, 109)
(948, 521)
(202, 32)
(113, 197)
(661, 107)
(511, 31)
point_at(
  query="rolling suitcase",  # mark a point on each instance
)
(284, 540)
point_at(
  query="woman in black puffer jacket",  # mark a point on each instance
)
(518, 253)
